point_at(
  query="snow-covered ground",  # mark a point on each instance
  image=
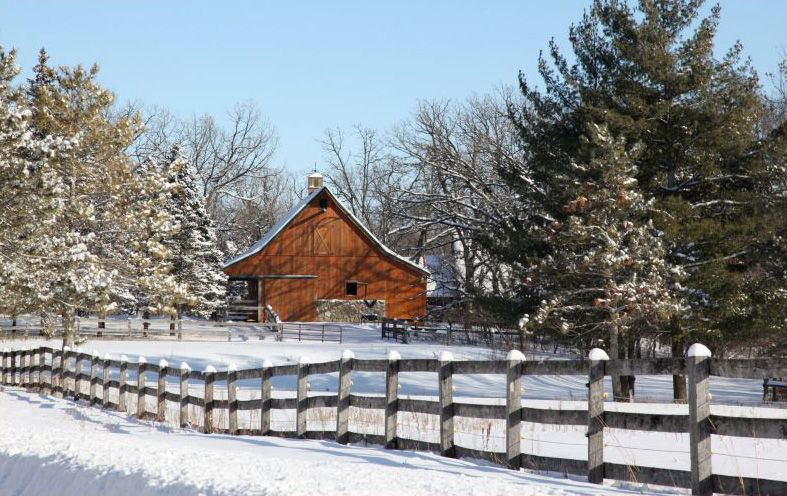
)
(45, 424)
(50, 446)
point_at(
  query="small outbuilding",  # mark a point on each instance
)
(320, 263)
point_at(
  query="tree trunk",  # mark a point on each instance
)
(68, 328)
(676, 344)
(614, 356)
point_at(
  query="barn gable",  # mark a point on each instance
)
(320, 241)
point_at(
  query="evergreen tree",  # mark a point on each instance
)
(649, 73)
(94, 227)
(197, 261)
(607, 273)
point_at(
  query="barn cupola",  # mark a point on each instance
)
(315, 182)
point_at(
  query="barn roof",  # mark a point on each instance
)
(297, 209)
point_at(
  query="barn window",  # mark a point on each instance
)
(351, 288)
(323, 204)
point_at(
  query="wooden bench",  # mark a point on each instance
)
(777, 389)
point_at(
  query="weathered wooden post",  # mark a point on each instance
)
(123, 384)
(142, 363)
(210, 377)
(343, 400)
(35, 370)
(514, 361)
(94, 379)
(57, 373)
(23, 367)
(698, 369)
(3, 367)
(303, 396)
(392, 400)
(596, 371)
(180, 328)
(161, 408)
(184, 394)
(13, 367)
(446, 392)
(77, 375)
(232, 398)
(66, 371)
(265, 396)
(105, 377)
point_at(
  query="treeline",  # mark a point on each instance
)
(636, 198)
(85, 228)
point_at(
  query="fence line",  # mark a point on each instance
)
(62, 373)
(143, 328)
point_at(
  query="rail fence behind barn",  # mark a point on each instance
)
(153, 328)
(64, 372)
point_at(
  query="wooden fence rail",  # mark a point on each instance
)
(81, 376)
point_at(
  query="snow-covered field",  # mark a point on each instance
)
(42, 438)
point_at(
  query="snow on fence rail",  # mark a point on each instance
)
(61, 372)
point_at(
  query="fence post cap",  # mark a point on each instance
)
(267, 364)
(142, 360)
(210, 369)
(303, 360)
(698, 350)
(515, 355)
(232, 368)
(123, 358)
(184, 366)
(107, 356)
(65, 348)
(163, 363)
(597, 355)
(348, 355)
(394, 355)
(96, 354)
(446, 356)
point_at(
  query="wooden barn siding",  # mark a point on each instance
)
(299, 251)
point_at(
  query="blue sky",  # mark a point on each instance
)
(320, 64)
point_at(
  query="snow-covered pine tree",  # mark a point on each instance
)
(94, 226)
(197, 261)
(608, 274)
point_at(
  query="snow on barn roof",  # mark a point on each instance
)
(294, 211)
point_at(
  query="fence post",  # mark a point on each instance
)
(161, 408)
(596, 371)
(47, 384)
(232, 398)
(23, 367)
(698, 368)
(141, 379)
(303, 396)
(3, 368)
(77, 375)
(13, 367)
(392, 400)
(265, 397)
(57, 373)
(35, 370)
(94, 379)
(122, 402)
(210, 377)
(343, 402)
(105, 377)
(446, 391)
(515, 359)
(180, 328)
(184, 394)
(65, 370)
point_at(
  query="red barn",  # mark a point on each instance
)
(319, 263)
